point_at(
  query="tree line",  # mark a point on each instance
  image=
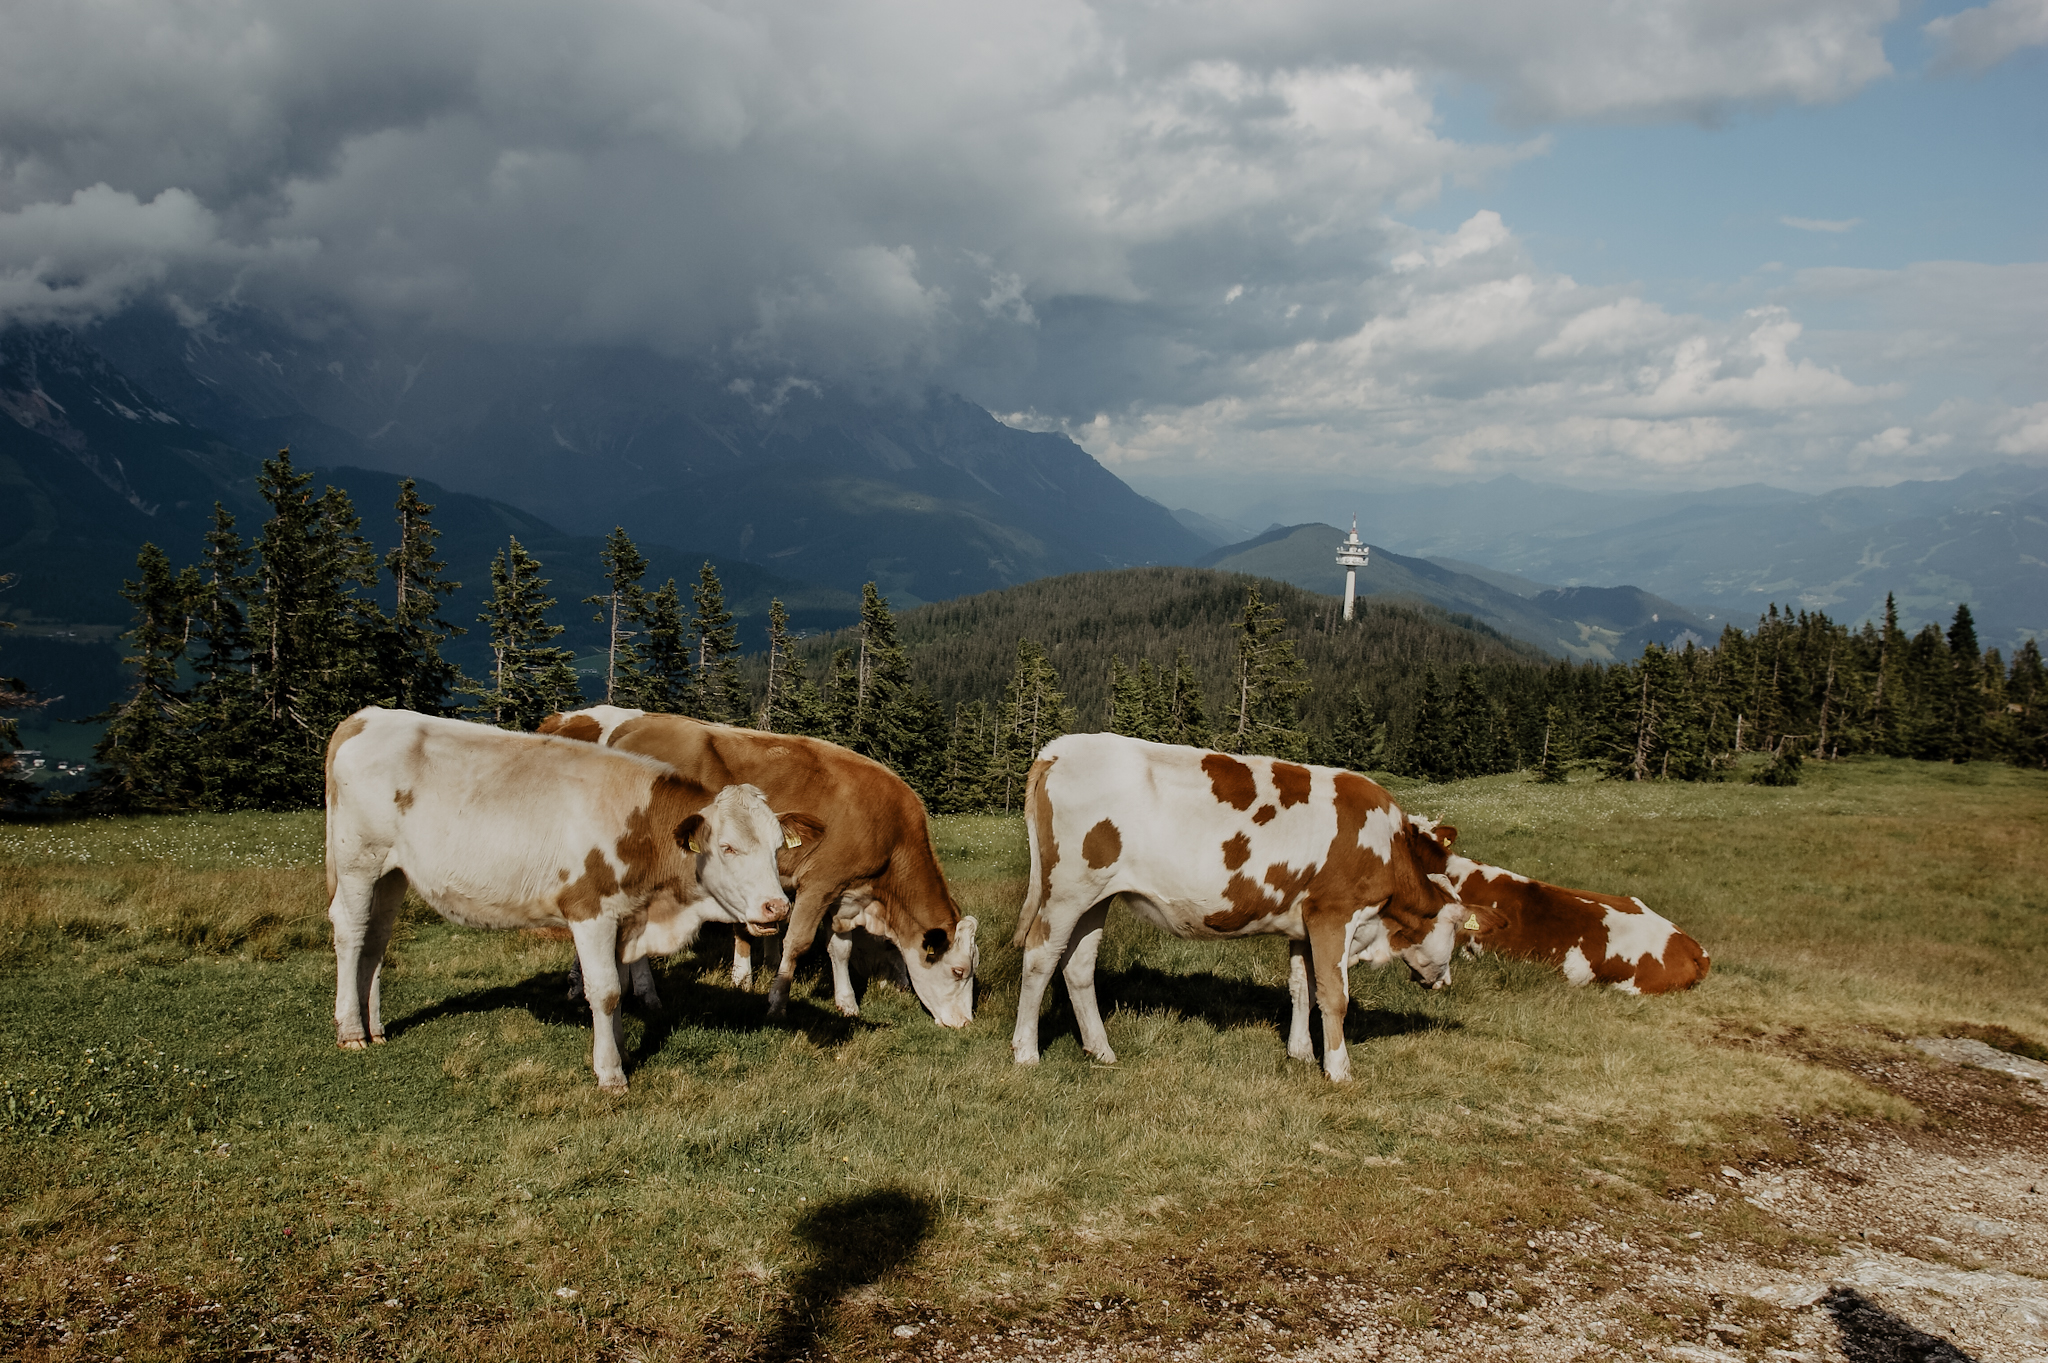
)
(243, 663)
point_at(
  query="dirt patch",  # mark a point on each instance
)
(1927, 1243)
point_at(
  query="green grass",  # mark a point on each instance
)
(186, 1156)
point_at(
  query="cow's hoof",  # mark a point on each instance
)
(376, 1041)
(1024, 1057)
(611, 1086)
(851, 1010)
(1104, 1057)
(356, 1045)
(1305, 1053)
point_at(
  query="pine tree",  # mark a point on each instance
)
(143, 757)
(530, 679)
(1358, 739)
(222, 716)
(792, 704)
(1158, 710)
(320, 649)
(1268, 686)
(1430, 750)
(1891, 657)
(667, 682)
(1035, 712)
(422, 679)
(1550, 767)
(2026, 689)
(842, 696)
(1128, 711)
(618, 610)
(1473, 728)
(1965, 699)
(1187, 718)
(721, 694)
(963, 775)
(885, 723)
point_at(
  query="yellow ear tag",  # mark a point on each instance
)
(696, 846)
(790, 839)
(1472, 923)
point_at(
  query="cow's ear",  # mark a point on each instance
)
(1446, 834)
(690, 833)
(798, 829)
(552, 724)
(936, 944)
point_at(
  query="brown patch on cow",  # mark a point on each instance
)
(403, 799)
(1265, 815)
(582, 728)
(1032, 929)
(1354, 876)
(1538, 922)
(1249, 902)
(343, 732)
(1292, 782)
(583, 898)
(1684, 965)
(1102, 846)
(1231, 780)
(1236, 851)
(563, 872)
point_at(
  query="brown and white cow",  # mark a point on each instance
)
(1594, 938)
(506, 830)
(1203, 844)
(874, 869)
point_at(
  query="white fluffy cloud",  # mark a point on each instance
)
(1978, 39)
(1175, 231)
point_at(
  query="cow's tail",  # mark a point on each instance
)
(1044, 851)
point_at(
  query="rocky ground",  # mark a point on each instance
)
(1916, 1244)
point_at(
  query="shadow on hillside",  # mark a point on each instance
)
(1871, 1334)
(852, 1241)
(1224, 1002)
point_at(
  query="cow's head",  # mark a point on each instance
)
(942, 966)
(1424, 926)
(735, 840)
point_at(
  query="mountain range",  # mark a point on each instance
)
(1980, 538)
(1590, 624)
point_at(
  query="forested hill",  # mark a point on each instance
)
(964, 649)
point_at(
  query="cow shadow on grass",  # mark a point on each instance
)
(1224, 1002)
(852, 1241)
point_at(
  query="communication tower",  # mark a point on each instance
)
(1352, 555)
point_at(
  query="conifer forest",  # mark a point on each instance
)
(241, 664)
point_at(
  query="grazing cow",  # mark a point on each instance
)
(1203, 844)
(507, 830)
(875, 868)
(1594, 938)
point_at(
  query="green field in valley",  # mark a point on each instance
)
(190, 1168)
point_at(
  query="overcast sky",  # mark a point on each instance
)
(1802, 241)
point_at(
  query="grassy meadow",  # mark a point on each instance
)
(190, 1168)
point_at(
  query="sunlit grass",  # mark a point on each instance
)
(177, 1101)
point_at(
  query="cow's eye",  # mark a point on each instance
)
(730, 850)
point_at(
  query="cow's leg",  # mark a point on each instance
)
(796, 940)
(385, 903)
(1078, 965)
(360, 902)
(1301, 990)
(1326, 943)
(742, 959)
(642, 973)
(840, 950)
(597, 948)
(1044, 949)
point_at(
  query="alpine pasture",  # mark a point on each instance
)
(189, 1167)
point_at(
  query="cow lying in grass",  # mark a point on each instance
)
(1203, 844)
(875, 870)
(506, 830)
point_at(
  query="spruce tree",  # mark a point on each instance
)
(1158, 723)
(842, 696)
(1965, 699)
(222, 716)
(885, 723)
(963, 775)
(721, 693)
(1268, 686)
(1035, 712)
(320, 648)
(1430, 752)
(1186, 715)
(530, 679)
(1550, 766)
(1358, 739)
(422, 680)
(1128, 711)
(2026, 688)
(618, 611)
(792, 704)
(143, 760)
(667, 681)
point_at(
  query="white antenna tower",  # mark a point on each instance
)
(1352, 555)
